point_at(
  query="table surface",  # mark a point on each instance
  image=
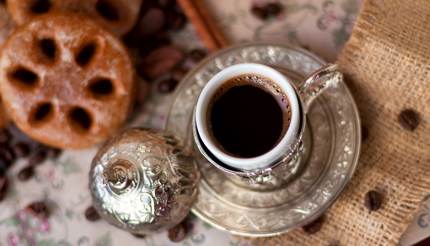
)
(320, 26)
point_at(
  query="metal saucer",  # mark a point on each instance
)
(335, 135)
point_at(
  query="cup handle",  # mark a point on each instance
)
(314, 85)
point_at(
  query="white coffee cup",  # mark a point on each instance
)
(289, 136)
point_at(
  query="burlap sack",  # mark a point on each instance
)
(387, 66)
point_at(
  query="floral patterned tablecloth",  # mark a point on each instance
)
(322, 26)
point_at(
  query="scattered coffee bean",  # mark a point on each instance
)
(177, 233)
(147, 45)
(306, 47)
(136, 235)
(364, 133)
(409, 119)
(91, 214)
(4, 166)
(7, 154)
(258, 12)
(5, 135)
(267, 11)
(315, 226)
(373, 200)
(38, 157)
(161, 61)
(197, 54)
(4, 185)
(53, 153)
(39, 209)
(273, 9)
(175, 20)
(21, 149)
(179, 73)
(167, 85)
(151, 22)
(193, 57)
(166, 3)
(26, 173)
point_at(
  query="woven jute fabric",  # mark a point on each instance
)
(386, 63)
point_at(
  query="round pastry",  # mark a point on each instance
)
(65, 81)
(118, 16)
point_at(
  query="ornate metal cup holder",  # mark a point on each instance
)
(329, 163)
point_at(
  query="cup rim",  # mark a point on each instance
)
(273, 155)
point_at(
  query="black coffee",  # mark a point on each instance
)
(248, 115)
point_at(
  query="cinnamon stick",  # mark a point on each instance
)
(211, 22)
(205, 26)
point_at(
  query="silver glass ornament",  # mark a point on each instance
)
(143, 182)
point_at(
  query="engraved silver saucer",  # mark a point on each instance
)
(331, 160)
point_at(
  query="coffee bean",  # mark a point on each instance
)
(166, 3)
(179, 73)
(26, 173)
(6, 153)
(53, 153)
(373, 200)
(3, 167)
(177, 233)
(5, 135)
(4, 185)
(151, 22)
(160, 61)
(21, 149)
(273, 9)
(175, 20)
(39, 209)
(38, 157)
(306, 47)
(409, 119)
(197, 54)
(158, 40)
(267, 11)
(258, 12)
(91, 214)
(136, 235)
(193, 57)
(315, 226)
(167, 85)
(364, 133)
